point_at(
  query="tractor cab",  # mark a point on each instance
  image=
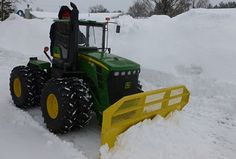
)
(91, 37)
(72, 37)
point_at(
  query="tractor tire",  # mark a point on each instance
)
(22, 87)
(62, 102)
(41, 78)
(85, 103)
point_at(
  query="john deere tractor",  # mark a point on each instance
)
(84, 77)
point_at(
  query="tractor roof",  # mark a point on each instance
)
(85, 22)
(92, 23)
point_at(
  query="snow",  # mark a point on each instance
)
(201, 39)
(195, 48)
(20, 135)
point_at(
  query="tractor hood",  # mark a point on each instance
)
(110, 61)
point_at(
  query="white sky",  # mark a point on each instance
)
(54, 5)
(111, 5)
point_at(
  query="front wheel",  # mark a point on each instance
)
(23, 87)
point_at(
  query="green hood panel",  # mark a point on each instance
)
(112, 62)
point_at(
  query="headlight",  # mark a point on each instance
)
(116, 73)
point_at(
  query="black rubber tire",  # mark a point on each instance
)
(85, 103)
(72, 98)
(41, 78)
(28, 87)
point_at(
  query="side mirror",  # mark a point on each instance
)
(118, 29)
(45, 50)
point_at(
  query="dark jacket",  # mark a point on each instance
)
(53, 27)
(52, 37)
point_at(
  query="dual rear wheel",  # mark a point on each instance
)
(66, 103)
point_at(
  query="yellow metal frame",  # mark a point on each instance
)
(134, 108)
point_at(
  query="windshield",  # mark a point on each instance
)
(91, 36)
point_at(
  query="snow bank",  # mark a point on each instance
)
(196, 49)
(182, 140)
(199, 39)
(182, 135)
(28, 37)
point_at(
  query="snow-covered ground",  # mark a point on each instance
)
(196, 48)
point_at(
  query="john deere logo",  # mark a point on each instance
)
(128, 85)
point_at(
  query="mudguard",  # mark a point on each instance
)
(132, 109)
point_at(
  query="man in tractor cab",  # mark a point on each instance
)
(60, 36)
(60, 40)
(64, 10)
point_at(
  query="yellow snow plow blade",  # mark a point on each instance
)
(132, 109)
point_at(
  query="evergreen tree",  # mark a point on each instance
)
(202, 4)
(7, 7)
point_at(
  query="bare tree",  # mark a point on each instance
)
(193, 3)
(98, 9)
(210, 6)
(171, 7)
(141, 8)
(202, 4)
(226, 5)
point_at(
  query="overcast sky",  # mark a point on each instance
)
(111, 5)
(54, 5)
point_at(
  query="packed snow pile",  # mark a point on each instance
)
(195, 48)
(201, 39)
(27, 37)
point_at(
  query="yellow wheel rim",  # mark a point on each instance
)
(17, 87)
(52, 106)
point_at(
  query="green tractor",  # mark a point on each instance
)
(84, 77)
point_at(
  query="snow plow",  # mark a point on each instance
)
(134, 108)
(82, 76)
